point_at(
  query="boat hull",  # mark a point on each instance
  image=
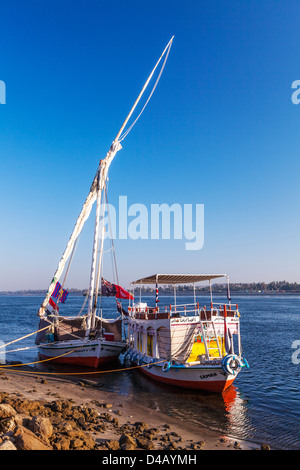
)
(90, 354)
(197, 377)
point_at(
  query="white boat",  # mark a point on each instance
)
(62, 347)
(88, 339)
(186, 345)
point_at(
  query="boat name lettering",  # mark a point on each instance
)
(205, 376)
(185, 320)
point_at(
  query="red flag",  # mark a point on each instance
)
(53, 304)
(122, 293)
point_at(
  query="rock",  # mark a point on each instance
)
(62, 444)
(145, 443)
(76, 444)
(111, 419)
(113, 445)
(7, 425)
(101, 447)
(74, 433)
(56, 406)
(42, 426)
(149, 435)
(76, 438)
(63, 427)
(29, 407)
(89, 383)
(172, 446)
(141, 426)
(127, 442)
(22, 420)
(7, 445)
(27, 440)
(81, 421)
(89, 443)
(6, 411)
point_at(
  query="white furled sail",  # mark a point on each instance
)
(82, 218)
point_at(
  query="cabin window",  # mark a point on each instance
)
(139, 341)
(150, 345)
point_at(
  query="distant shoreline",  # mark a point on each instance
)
(163, 294)
(236, 289)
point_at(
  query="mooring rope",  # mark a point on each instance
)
(6, 366)
(81, 373)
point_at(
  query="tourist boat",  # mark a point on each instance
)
(88, 338)
(187, 345)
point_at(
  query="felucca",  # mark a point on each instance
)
(88, 339)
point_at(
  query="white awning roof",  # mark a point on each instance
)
(177, 278)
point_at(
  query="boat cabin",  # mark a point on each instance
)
(188, 332)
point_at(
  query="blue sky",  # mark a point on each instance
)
(220, 130)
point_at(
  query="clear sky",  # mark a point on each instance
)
(220, 130)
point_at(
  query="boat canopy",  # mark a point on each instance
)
(177, 278)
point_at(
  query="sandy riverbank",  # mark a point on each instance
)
(116, 416)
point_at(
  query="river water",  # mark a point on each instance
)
(263, 405)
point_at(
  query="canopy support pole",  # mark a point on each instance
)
(210, 291)
(175, 296)
(228, 290)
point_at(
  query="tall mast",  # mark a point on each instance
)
(94, 254)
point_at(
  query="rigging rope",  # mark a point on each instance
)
(122, 137)
(23, 337)
(114, 260)
(70, 260)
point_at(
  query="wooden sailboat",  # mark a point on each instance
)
(87, 340)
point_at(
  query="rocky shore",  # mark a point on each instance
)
(57, 414)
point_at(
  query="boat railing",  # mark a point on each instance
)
(229, 309)
(178, 310)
